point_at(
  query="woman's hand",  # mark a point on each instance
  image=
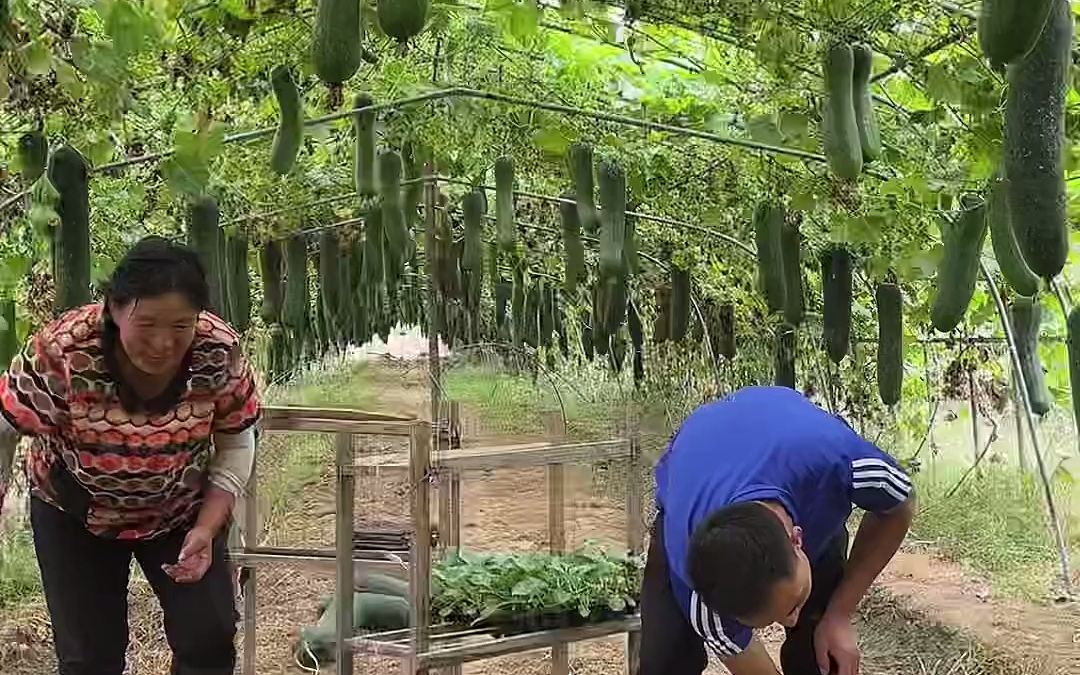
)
(195, 557)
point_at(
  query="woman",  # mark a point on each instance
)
(142, 413)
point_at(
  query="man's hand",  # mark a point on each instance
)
(195, 557)
(835, 642)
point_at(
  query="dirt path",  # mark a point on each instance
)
(1045, 639)
(505, 511)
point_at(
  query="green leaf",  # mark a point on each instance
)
(552, 139)
(12, 270)
(128, 25)
(524, 19)
(764, 129)
(857, 230)
(42, 216)
(68, 79)
(186, 175)
(38, 57)
(5, 88)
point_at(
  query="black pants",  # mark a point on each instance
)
(669, 645)
(86, 589)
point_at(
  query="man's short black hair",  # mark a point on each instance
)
(737, 555)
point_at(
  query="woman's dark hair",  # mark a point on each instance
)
(155, 266)
(736, 557)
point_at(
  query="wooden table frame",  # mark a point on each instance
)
(345, 425)
(423, 647)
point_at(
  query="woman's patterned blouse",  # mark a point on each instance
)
(125, 475)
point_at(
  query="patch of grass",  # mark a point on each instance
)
(19, 577)
(511, 404)
(995, 523)
(514, 404)
(337, 384)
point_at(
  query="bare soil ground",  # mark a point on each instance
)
(927, 618)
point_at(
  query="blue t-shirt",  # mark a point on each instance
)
(766, 443)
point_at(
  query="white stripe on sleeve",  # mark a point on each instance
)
(710, 627)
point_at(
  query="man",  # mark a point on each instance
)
(754, 494)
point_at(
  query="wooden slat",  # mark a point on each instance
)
(420, 567)
(635, 531)
(450, 648)
(555, 431)
(346, 500)
(368, 647)
(510, 456)
(321, 563)
(337, 426)
(249, 534)
(277, 413)
(441, 657)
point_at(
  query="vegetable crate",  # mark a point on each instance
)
(345, 559)
(425, 647)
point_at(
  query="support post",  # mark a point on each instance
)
(249, 540)
(555, 432)
(420, 550)
(974, 407)
(346, 496)
(635, 528)
(1018, 413)
(431, 191)
(931, 410)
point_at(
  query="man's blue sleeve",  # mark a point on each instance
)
(877, 483)
(724, 637)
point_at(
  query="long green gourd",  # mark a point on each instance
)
(1073, 327)
(364, 152)
(290, 131)
(1026, 317)
(202, 236)
(330, 283)
(472, 212)
(836, 310)
(843, 149)
(768, 223)
(296, 311)
(791, 257)
(959, 267)
(1009, 29)
(33, 154)
(271, 268)
(337, 46)
(403, 20)
(611, 181)
(890, 356)
(505, 229)
(1003, 239)
(574, 250)
(9, 340)
(865, 116)
(239, 281)
(680, 303)
(393, 215)
(69, 174)
(221, 251)
(786, 346)
(1035, 142)
(580, 156)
